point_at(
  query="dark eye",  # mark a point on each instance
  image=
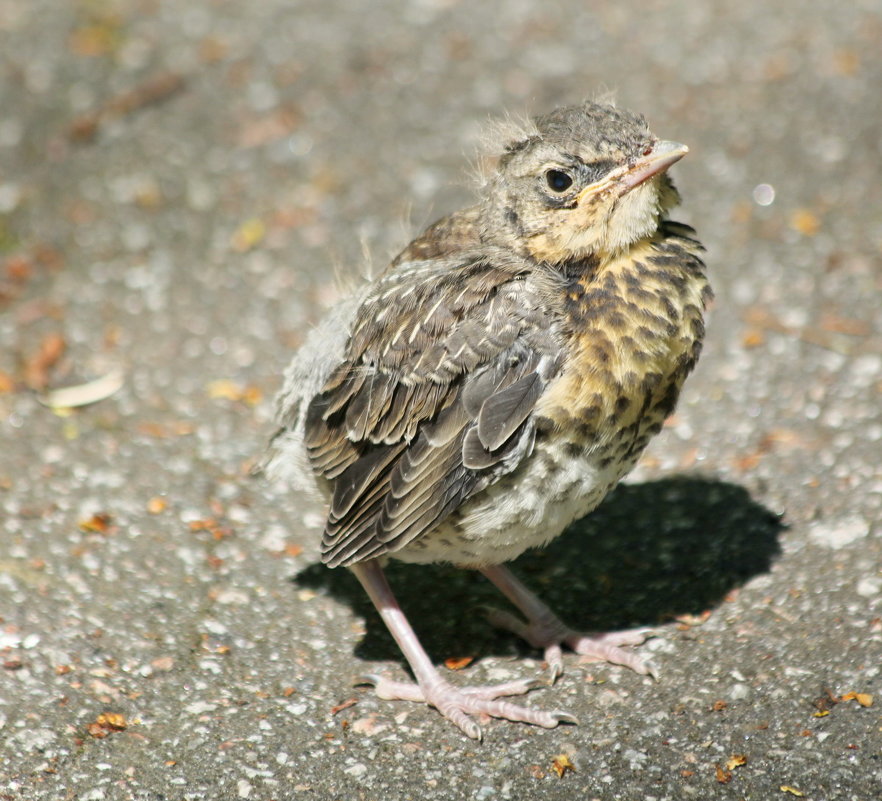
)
(558, 180)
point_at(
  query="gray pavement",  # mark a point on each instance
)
(184, 187)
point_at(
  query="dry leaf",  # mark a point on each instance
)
(107, 723)
(248, 235)
(230, 390)
(345, 705)
(805, 221)
(561, 764)
(156, 505)
(113, 720)
(163, 431)
(786, 788)
(736, 761)
(212, 526)
(690, 620)
(99, 523)
(825, 702)
(458, 663)
(36, 369)
(84, 394)
(153, 90)
(753, 338)
(723, 776)
(864, 699)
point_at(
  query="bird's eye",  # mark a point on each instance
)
(558, 180)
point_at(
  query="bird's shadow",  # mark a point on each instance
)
(649, 553)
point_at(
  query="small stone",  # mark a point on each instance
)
(838, 533)
(740, 692)
(869, 587)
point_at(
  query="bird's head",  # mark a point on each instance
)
(585, 180)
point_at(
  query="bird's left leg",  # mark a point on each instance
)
(457, 704)
(543, 629)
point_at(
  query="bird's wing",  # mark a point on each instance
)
(433, 401)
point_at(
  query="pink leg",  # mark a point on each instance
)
(544, 629)
(454, 703)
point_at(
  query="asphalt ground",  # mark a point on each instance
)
(185, 187)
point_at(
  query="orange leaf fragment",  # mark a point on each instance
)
(864, 699)
(156, 505)
(458, 663)
(99, 523)
(212, 526)
(344, 705)
(112, 720)
(225, 389)
(561, 764)
(736, 761)
(753, 338)
(107, 723)
(723, 776)
(805, 221)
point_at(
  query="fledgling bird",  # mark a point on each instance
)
(498, 379)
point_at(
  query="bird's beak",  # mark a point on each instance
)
(662, 156)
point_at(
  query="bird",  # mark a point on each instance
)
(497, 380)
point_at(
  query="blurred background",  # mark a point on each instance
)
(184, 188)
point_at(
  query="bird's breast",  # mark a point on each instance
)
(634, 328)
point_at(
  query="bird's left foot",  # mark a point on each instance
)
(459, 704)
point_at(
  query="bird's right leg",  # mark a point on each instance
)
(454, 703)
(543, 629)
